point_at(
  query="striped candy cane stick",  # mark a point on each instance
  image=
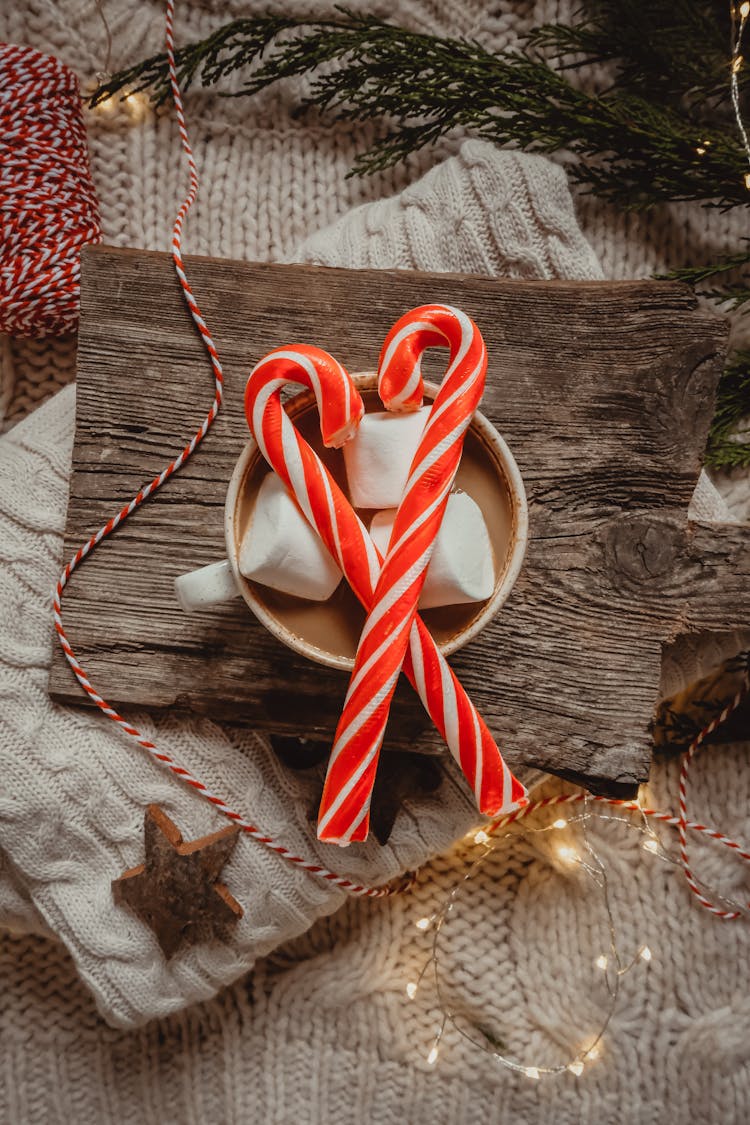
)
(329, 512)
(387, 638)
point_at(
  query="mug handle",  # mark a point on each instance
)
(210, 585)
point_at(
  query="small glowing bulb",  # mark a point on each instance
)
(601, 961)
(137, 105)
(576, 1067)
(433, 1056)
(747, 180)
(700, 150)
(651, 846)
(561, 822)
(737, 64)
(423, 923)
(531, 1072)
(411, 990)
(646, 953)
(567, 853)
(745, 10)
(106, 107)
(481, 837)
(593, 1051)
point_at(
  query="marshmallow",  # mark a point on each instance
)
(379, 456)
(462, 567)
(281, 550)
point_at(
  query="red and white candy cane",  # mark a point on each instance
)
(385, 640)
(330, 513)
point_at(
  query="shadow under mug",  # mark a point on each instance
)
(327, 632)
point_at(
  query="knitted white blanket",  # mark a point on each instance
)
(330, 1036)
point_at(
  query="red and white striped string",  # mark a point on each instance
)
(682, 825)
(169, 763)
(680, 822)
(127, 728)
(48, 206)
(624, 805)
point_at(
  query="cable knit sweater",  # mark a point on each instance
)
(321, 1029)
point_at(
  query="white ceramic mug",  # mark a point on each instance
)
(220, 581)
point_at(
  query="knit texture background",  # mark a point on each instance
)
(321, 1029)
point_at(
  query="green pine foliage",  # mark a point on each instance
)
(637, 92)
(724, 449)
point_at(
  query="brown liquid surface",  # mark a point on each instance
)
(334, 626)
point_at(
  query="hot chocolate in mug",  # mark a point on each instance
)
(327, 632)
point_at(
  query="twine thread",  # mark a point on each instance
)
(48, 206)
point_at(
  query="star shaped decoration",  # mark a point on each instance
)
(175, 891)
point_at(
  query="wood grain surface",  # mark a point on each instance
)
(604, 392)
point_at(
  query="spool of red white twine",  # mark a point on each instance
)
(48, 206)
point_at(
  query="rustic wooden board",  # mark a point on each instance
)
(604, 392)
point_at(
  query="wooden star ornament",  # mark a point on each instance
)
(175, 891)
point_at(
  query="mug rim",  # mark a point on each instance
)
(498, 448)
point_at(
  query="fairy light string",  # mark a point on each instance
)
(611, 963)
(739, 22)
(739, 15)
(104, 73)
